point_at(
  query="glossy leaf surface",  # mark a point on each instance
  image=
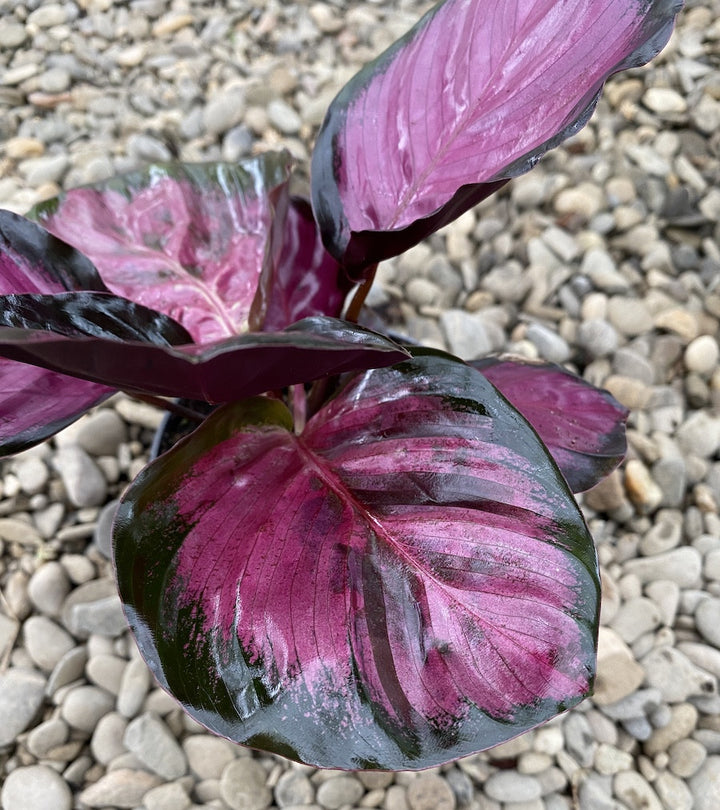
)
(35, 404)
(34, 261)
(305, 280)
(408, 581)
(229, 369)
(582, 426)
(189, 240)
(474, 94)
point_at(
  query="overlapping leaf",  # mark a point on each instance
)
(229, 369)
(35, 404)
(474, 94)
(408, 581)
(188, 240)
(582, 426)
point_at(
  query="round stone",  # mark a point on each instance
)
(294, 788)
(207, 756)
(338, 791)
(705, 785)
(430, 792)
(707, 620)
(242, 785)
(85, 705)
(48, 587)
(686, 757)
(507, 786)
(36, 787)
(45, 641)
(701, 355)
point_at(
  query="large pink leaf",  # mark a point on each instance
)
(408, 581)
(474, 94)
(582, 426)
(35, 404)
(188, 240)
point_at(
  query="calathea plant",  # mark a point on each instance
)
(368, 555)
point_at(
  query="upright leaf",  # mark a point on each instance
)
(474, 94)
(305, 280)
(188, 240)
(582, 426)
(407, 582)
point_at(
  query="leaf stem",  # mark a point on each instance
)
(353, 311)
(168, 405)
(299, 407)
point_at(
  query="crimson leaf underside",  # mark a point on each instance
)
(407, 582)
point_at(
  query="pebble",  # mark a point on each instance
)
(207, 756)
(466, 334)
(167, 797)
(242, 785)
(686, 757)
(134, 685)
(82, 478)
(683, 566)
(155, 746)
(83, 707)
(505, 786)
(632, 789)
(48, 588)
(101, 433)
(705, 785)
(46, 642)
(121, 788)
(702, 354)
(427, 792)
(21, 696)
(707, 620)
(677, 678)
(618, 674)
(293, 788)
(35, 787)
(107, 739)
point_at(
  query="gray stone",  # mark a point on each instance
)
(148, 149)
(686, 757)
(68, 669)
(429, 792)
(154, 745)
(699, 435)
(597, 337)
(676, 676)
(101, 433)
(48, 587)
(121, 788)
(705, 785)
(242, 785)
(294, 788)
(681, 565)
(224, 112)
(549, 344)
(21, 695)
(167, 797)
(635, 618)
(338, 791)
(283, 117)
(673, 792)
(106, 671)
(466, 334)
(103, 617)
(133, 688)
(84, 482)
(107, 740)
(33, 475)
(45, 169)
(207, 756)
(702, 354)
(633, 789)
(35, 787)
(48, 735)
(579, 739)
(103, 530)
(707, 620)
(507, 786)
(45, 641)
(83, 707)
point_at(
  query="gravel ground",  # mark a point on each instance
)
(605, 258)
